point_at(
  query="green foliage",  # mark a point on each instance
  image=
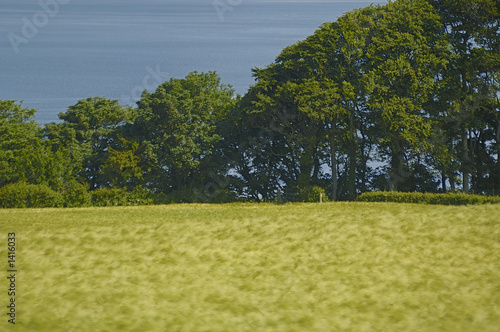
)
(427, 198)
(188, 195)
(406, 54)
(140, 196)
(20, 144)
(121, 197)
(184, 195)
(25, 195)
(109, 197)
(315, 193)
(123, 165)
(89, 132)
(224, 196)
(413, 84)
(467, 104)
(180, 120)
(76, 194)
(312, 194)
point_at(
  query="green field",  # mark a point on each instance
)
(255, 267)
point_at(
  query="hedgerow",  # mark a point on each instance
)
(427, 198)
(121, 197)
(25, 195)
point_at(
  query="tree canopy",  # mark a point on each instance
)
(404, 96)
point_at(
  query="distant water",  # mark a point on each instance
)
(117, 48)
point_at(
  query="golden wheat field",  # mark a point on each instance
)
(253, 267)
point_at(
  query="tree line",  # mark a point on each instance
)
(402, 97)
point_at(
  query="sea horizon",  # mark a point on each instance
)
(56, 52)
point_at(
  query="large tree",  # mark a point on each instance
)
(369, 73)
(470, 97)
(284, 119)
(24, 156)
(405, 55)
(19, 138)
(180, 120)
(89, 129)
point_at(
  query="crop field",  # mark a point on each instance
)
(254, 267)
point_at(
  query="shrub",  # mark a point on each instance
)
(140, 196)
(312, 194)
(309, 194)
(25, 195)
(121, 197)
(189, 195)
(76, 194)
(109, 197)
(224, 196)
(178, 196)
(427, 198)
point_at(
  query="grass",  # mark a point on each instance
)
(249, 267)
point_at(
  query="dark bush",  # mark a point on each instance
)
(121, 197)
(109, 197)
(179, 196)
(310, 194)
(224, 196)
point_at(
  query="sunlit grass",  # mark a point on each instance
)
(304, 267)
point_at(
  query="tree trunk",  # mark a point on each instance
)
(451, 176)
(397, 164)
(363, 161)
(465, 153)
(333, 152)
(465, 162)
(352, 158)
(443, 181)
(317, 165)
(496, 185)
(306, 166)
(498, 140)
